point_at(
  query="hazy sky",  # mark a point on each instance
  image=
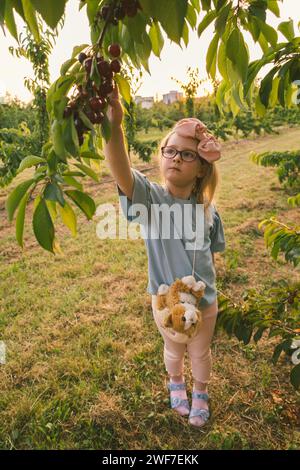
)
(174, 61)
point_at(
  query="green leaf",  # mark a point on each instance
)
(88, 171)
(69, 180)
(191, 16)
(66, 65)
(10, 20)
(58, 141)
(86, 120)
(69, 218)
(83, 201)
(206, 4)
(30, 17)
(53, 192)
(51, 10)
(266, 87)
(92, 155)
(70, 136)
(287, 29)
(207, 20)
(15, 197)
(58, 90)
(78, 49)
(106, 128)
(30, 161)
(222, 61)
(156, 38)
(221, 20)
(170, 13)
(268, 32)
(211, 57)
(21, 219)
(124, 87)
(42, 226)
(237, 52)
(273, 7)
(259, 107)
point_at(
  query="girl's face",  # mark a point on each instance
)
(177, 172)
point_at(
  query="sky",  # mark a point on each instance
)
(174, 61)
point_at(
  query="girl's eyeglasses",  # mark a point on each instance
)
(186, 155)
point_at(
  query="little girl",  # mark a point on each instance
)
(187, 156)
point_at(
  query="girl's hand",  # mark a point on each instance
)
(115, 111)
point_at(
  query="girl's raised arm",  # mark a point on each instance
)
(114, 150)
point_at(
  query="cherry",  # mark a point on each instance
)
(106, 88)
(68, 111)
(131, 10)
(115, 50)
(115, 66)
(88, 64)
(104, 68)
(119, 12)
(104, 12)
(92, 116)
(72, 104)
(82, 56)
(96, 104)
(99, 118)
(127, 3)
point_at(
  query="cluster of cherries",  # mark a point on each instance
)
(92, 98)
(122, 9)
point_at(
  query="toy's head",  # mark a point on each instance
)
(182, 317)
(177, 304)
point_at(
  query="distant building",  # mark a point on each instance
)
(172, 96)
(145, 101)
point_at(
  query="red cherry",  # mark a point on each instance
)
(104, 12)
(106, 88)
(96, 104)
(119, 12)
(92, 116)
(131, 10)
(82, 56)
(88, 64)
(104, 68)
(115, 50)
(72, 104)
(67, 111)
(99, 118)
(115, 66)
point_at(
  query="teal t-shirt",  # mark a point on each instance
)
(168, 258)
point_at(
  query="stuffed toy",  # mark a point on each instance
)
(176, 305)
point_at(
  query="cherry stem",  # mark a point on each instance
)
(101, 37)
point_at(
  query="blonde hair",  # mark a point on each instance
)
(205, 186)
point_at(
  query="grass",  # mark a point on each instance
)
(84, 366)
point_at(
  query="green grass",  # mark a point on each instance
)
(84, 362)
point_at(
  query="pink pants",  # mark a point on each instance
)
(198, 347)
